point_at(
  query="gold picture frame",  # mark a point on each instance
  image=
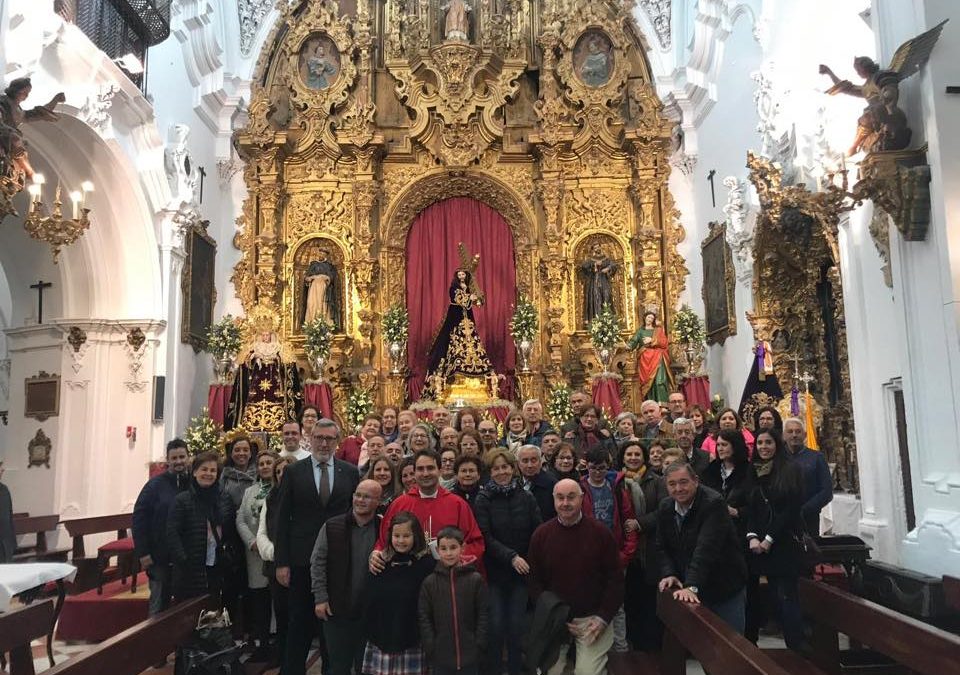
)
(719, 284)
(198, 285)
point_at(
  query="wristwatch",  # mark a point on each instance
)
(694, 590)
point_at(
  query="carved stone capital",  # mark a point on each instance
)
(899, 183)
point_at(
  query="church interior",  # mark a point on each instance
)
(215, 213)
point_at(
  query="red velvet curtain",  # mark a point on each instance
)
(432, 258)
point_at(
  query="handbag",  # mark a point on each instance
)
(210, 650)
(810, 552)
(229, 560)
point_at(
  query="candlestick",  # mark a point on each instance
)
(75, 197)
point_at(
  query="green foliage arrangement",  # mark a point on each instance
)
(318, 336)
(202, 434)
(558, 408)
(524, 324)
(605, 328)
(688, 327)
(396, 324)
(223, 338)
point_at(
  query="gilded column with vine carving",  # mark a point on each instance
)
(550, 191)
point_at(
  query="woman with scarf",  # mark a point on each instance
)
(589, 435)
(248, 523)
(774, 533)
(507, 515)
(194, 533)
(514, 431)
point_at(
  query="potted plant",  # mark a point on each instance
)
(605, 333)
(318, 338)
(223, 343)
(396, 330)
(523, 327)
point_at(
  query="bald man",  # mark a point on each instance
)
(577, 559)
(338, 570)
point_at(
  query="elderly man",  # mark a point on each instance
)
(549, 445)
(677, 405)
(338, 570)
(434, 507)
(448, 439)
(394, 451)
(406, 421)
(536, 425)
(351, 447)
(536, 480)
(388, 424)
(292, 446)
(488, 435)
(684, 431)
(817, 482)
(576, 559)
(311, 492)
(653, 423)
(440, 417)
(698, 548)
(371, 450)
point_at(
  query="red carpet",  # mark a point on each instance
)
(93, 618)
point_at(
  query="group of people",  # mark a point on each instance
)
(450, 543)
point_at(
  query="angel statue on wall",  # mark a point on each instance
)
(457, 23)
(13, 151)
(597, 271)
(883, 124)
(457, 347)
(321, 289)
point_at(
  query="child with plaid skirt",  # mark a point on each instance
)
(390, 607)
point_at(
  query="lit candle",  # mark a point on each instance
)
(34, 191)
(38, 179)
(75, 197)
(87, 188)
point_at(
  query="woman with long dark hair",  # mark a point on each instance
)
(767, 417)
(731, 475)
(239, 473)
(775, 530)
(729, 420)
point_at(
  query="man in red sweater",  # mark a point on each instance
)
(577, 558)
(434, 507)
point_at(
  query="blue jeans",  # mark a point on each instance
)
(732, 610)
(159, 580)
(508, 604)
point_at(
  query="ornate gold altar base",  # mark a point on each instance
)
(466, 391)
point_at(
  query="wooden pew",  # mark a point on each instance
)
(917, 646)
(19, 628)
(696, 630)
(78, 528)
(951, 592)
(38, 526)
(139, 647)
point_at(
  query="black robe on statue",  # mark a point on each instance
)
(265, 396)
(457, 347)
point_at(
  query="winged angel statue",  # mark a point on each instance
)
(883, 124)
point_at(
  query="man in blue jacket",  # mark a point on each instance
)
(150, 523)
(817, 482)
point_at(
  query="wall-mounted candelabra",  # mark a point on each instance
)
(55, 229)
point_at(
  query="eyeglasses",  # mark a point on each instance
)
(325, 439)
(597, 467)
(488, 431)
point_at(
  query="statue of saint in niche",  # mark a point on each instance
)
(593, 54)
(597, 271)
(319, 62)
(321, 290)
(457, 24)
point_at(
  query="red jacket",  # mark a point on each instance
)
(350, 449)
(622, 512)
(434, 514)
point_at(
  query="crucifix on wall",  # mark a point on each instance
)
(40, 286)
(713, 194)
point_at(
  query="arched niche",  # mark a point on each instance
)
(302, 255)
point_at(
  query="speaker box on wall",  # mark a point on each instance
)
(159, 384)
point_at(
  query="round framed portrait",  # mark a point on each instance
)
(319, 62)
(593, 58)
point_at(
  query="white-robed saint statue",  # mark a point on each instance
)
(320, 285)
(457, 25)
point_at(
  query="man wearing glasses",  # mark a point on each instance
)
(312, 491)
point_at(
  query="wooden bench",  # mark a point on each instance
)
(21, 627)
(951, 592)
(916, 646)
(90, 571)
(139, 647)
(693, 629)
(37, 526)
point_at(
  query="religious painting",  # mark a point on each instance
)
(319, 62)
(718, 285)
(599, 267)
(318, 284)
(198, 286)
(42, 396)
(593, 58)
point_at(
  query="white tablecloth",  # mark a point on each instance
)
(22, 577)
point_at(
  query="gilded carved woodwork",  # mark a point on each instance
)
(798, 301)
(360, 119)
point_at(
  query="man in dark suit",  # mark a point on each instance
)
(536, 481)
(698, 548)
(312, 490)
(684, 431)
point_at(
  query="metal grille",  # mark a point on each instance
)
(120, 27)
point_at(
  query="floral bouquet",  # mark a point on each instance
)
(223, 338)
(524, 324)
(396, 324)
(319, 335)
(359, 405)
(605, 329)
(688, 327)
(202, 434)
(558, 408)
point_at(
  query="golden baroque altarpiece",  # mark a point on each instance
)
(362, 115)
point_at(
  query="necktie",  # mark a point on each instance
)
(324, 485)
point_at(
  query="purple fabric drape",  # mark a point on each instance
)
(432, 258)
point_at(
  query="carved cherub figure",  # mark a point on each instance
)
(883, 125)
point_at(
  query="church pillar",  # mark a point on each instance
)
(550, 191)
(269, 249)
(365, 272)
